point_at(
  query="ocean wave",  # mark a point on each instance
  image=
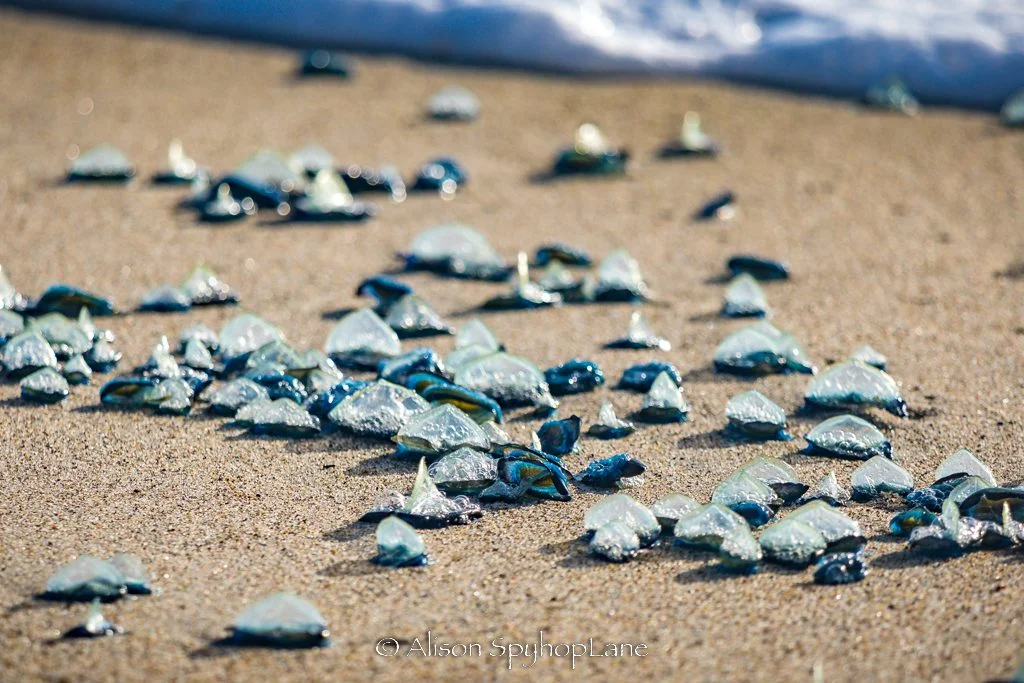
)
(961, 52)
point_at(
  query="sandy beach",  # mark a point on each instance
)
(895, 229)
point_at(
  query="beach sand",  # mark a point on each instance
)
(894, 228)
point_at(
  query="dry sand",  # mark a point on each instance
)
(894, 228)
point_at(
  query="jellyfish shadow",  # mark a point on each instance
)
(905, 559)
(338, 313)
(715, 438)
(381, 464)
(352, 531)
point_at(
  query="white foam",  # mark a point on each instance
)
(966, 52)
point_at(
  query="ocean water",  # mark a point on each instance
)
(962, 52)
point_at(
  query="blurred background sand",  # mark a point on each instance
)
(894, 227)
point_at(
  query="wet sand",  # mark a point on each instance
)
(894, 228)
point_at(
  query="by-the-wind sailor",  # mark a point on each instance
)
(905, 522)
(663, 403)
(476, 333)
(313, 158)
(609, 472)
(1012, 111)
(282, 620)
(619, 278)
(325, 63)
(361, 340)
(453, 103)
(640, 377)
(63, 334)
(562, 253)
(398, 544)
(880, 475)
(426, 507)
(181, 168)
(244, 334)
(322, 403)
(869, 356)
(744, 298)
(779, 476)
(443, 175)
(740, 552)
(556, 278)
(508, 379)
(476, 405)
(26, 353)
(848, 436)
(840, 568)
(721, 206)
(11, 324)
(204, 287)
(574, 377)
(327, 198)
(464, 470)
(227, 398)
(988, 504)
(286, 418)
(707, 526)
(380, 409)
(136, 579)
(85, 578)
(640, 336)
(77, 370)
(386, 290)
(10, 298)
(165, 299)
(271, 168)
(440, 430)
(559, 437)
(747, 496)
(44, 386)
(412, 316)
(522, 471)
(419, 361)
(792, 543)
(95, 625)
(615, 542)
(455, 249)
(892, 94)
(829, 491)
(608, 426)
(854, 384)
(127, 391)
(161, 364)
(223, 207)
(840, 532)
(171, 396)
(381, 180)
(70, 300)
(104, 163)
(621, 507)
(524, 294)
(948, 538)
(761, 349)
(197, 356)
(759, 267)
(693, 141)
(670, 508)
(590, 154)
(755, 415)
(964, 462)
